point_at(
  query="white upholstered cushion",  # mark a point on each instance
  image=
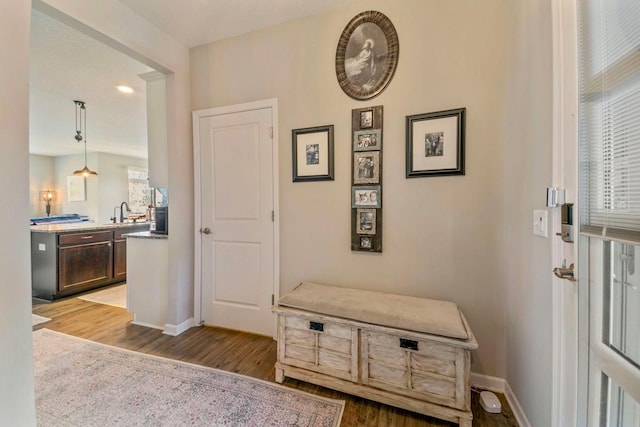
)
(397, 311)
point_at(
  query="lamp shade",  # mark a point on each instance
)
(85, 171)
(81, 116)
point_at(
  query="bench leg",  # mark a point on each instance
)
(465, 422)
(280, 377)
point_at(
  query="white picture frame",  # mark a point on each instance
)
(76, 189)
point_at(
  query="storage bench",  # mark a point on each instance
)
(413, 353)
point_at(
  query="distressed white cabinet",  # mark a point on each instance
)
(329, 344)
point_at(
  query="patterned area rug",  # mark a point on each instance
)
(116, 296)
(83, 383)
(36, 320)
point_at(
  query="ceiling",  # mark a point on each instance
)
(67, 65)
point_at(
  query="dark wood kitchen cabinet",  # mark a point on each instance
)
(120, 254)
(67, 262)
(84, 260)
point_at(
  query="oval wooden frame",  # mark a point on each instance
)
(389, 31)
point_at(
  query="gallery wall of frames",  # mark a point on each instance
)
(366, 60)
(366, 179)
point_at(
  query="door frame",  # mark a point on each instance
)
(272, 104)
(567, 404)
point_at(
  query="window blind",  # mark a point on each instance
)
(609, 118)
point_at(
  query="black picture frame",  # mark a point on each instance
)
(367, 55)
(366, 222)
(366, 119)
(312, 154)
(435, 143)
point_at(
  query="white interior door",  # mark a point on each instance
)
(237, 220)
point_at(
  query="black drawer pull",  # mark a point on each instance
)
(316, 326)
(408, 344)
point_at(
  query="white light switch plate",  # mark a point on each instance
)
(42, 247)
(540, 222)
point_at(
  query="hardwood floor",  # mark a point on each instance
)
(243, 353)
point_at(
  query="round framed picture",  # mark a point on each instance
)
(367, 55)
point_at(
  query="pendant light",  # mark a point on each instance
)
(81, 117)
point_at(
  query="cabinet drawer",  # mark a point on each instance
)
(81, 266)
(418, 368)
(82, 238)
(434, 384)
(423, 347)
(325, 347)
(327, 328)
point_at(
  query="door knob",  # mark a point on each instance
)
(205, 230)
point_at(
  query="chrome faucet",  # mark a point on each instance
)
(122, 210)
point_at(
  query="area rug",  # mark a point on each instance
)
(36, 320)
(115, 296)
(83, 383)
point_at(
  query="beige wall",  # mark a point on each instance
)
(41, 177)
(64, 166)
(103, 193)
(17, 401)
(528, 149)
(443, 237)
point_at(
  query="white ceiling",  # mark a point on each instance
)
(67, 65)
(197, 22)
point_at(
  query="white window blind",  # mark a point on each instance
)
(609, 58)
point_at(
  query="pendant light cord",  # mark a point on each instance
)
(85, 133)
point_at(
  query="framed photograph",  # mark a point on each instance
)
(367, 55)
(366, 167)
(76, 191)
(435, 143)
(366, 221)
(366, 197)
(366, 242)
(313, 154)
(367, 140)
(366, 119)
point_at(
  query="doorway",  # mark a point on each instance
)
(236, 241)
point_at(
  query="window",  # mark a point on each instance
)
(609, 139)
(139, 191)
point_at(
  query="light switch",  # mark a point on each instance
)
(41, 247)
(540, 222)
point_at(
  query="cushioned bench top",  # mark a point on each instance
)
(398, 311)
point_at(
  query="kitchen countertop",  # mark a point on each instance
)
(145, 235)
(83, 226)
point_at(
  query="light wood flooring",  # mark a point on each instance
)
(243, 353)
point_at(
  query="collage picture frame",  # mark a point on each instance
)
(366, 167)
(366, 180)
(367, 140)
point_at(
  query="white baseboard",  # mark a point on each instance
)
(146, 325)
(175, 330)
(518, 412)
(500, 385)
(487, 382)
